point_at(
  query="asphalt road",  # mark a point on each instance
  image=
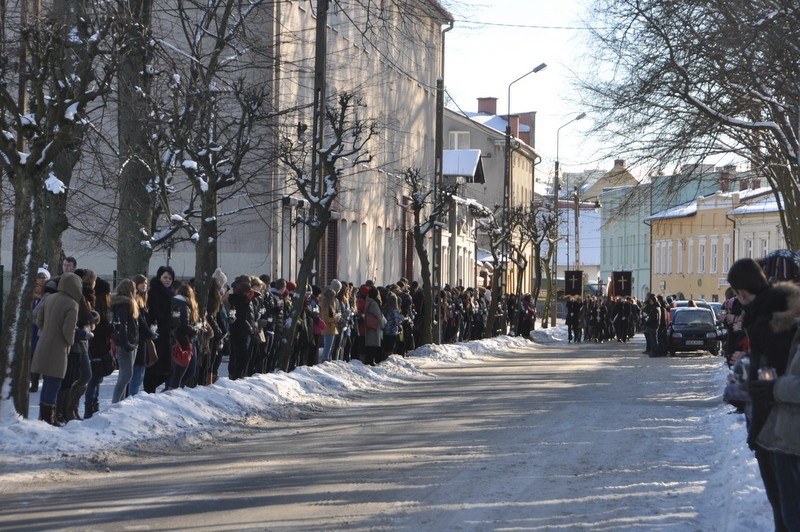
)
(560, 437)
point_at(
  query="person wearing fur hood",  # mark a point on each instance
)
(57, 320)
(769, 317)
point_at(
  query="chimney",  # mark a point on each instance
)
(619, 163)
(513, 121)
(744, 184)
(725, 181)
(487, 105)
(756, 183)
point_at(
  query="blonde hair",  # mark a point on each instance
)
(188, 292)
(128, 289)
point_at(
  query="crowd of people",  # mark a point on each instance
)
(154, 333)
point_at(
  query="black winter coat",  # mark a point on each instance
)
(159, 312)
(770, 324)
(126, 327)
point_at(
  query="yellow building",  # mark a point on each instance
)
(692, 245)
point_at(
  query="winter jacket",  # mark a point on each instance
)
(372, 337)
(652, 315)
(57, 320)
(159, 312)
(782, 429)
(393, 321)
(770, 324)
(330, 316)
(184, 330)
(126, 334)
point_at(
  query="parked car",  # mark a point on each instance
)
(693, 329)
(716, 306)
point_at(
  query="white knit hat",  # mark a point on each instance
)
(336, 285)
(219, 277)
(43, 271)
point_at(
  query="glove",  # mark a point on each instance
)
(762, 391)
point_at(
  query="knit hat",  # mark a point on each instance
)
(364, 290)
(291, 286)
(336, 285)
(219, 277)
(43, 271)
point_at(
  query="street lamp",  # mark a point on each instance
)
(507, 178)
(555, 206)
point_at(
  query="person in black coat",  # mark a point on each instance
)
(159, 313)
(769, 317)
(242, 328)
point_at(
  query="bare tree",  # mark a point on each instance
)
(347, 135)
(685, 81)
(536, 226)
(209, 128)
(427, 208)
(498, 231)
(63, 66)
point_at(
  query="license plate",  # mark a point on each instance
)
(694, 342)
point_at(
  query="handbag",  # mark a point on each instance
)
(181, 355)
(151, 353)
(104, 365)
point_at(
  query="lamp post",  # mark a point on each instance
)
(554, 272)
(507, 179)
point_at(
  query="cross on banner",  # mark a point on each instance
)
(573, 280)
(622, 283)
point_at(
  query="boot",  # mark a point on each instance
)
(213, 378)
(88, 410)
(47, 413)
(73, 400)
(61, 406)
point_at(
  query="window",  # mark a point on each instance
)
(701, 257)
(459, 140)
(656, 257)
(726, 254)
(748, 248)
(646, 250)
(763, 246)
(621, 250)
(669, 257)
(690, 258)
(679, 263)
(714, 258)
(632, 248)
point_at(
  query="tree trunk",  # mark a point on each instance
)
(27, 256)
(499, 271)
(206, 250)
(316, 232)
(135, 202)
(54, 215)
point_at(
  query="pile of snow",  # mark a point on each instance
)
(195, 415)
(550, 335)
(192, 413)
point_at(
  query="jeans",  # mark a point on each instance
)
(180, 372)
(787, 470)
(327, 344)
(50, 387)
(93, 390)
(85, 375)
(125, 360)
(136, 380)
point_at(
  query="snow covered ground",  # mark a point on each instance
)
(31, 448)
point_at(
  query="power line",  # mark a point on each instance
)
(528, 26)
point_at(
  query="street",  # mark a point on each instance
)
(563, 436)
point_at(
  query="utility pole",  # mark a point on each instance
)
(436, 262)
(318, 128)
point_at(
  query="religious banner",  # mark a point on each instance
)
(621, 281)
(573, 280)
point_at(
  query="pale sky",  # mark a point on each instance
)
(505, 39)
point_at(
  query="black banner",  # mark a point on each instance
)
(573, 280)
(621, 281)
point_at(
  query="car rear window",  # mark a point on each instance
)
(693, 317)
